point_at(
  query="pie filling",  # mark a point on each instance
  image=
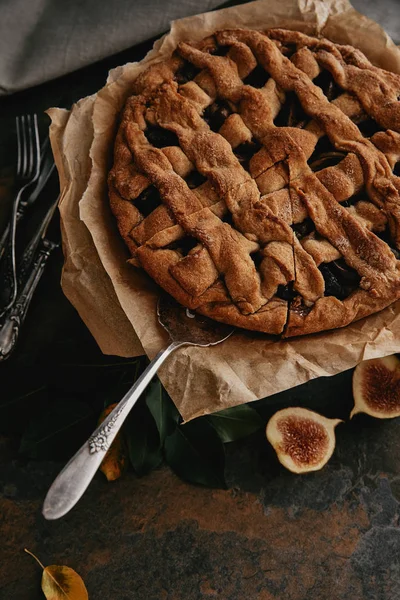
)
(216, 114)
(291, 113)
(257, 78)
(160, 137)
(340, 279)
(240, 177)
(148, 201)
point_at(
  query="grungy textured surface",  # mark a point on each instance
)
(271, 535)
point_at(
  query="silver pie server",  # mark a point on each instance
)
(185, 329)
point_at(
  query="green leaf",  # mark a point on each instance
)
(195, 453)
(234, 423)
(162, 409)
(143, 440)
(57, 430)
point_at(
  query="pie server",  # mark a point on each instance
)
(185, 329)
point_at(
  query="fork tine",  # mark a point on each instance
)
(29, 146)
(33, 146)
(28, 164)
(24, 147)
(36, 146)
(28, 169)
(19, 145)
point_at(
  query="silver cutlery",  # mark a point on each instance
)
(28, 169)
(185, 329)
(30, 270)
(15, 316)
(47, 167)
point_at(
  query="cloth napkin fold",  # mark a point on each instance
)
(43, 39)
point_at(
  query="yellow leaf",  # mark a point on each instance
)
(61, 583)
(115, 460)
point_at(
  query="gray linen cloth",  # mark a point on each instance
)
(43, 39)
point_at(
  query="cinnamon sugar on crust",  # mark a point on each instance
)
(253, 179)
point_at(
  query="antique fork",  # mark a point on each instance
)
(47, 167)
(28, 168)
(185, 329)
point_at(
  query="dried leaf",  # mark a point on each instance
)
(115, 461)
(61, 583)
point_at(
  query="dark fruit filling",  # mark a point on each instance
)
(345, 274)
(186, 73)
(291, 113)
(327, 159)
(340, 279)
(184, 245)
(244, 152)
(286, 292)
(228, 218)
(354, 199)
(328, 85)
(322, 147)
(220, 51)
(257, 258)
(304, 228)
(148, 201)
(288, 49)
(216, 113)
(387, 238)
(160, 137)
(257, 78)
(369, 127)
(194, 179)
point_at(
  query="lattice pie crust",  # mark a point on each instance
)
(254, 179)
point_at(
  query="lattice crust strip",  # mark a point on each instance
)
(255, 180)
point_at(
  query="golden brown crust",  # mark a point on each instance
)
(224, 194)
(331, 313)
(214, 302)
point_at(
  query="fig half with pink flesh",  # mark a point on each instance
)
(376, 388)
(302, 439)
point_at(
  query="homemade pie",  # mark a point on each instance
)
(255, 180)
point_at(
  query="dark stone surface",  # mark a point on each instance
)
(270, 535)
(330, 534)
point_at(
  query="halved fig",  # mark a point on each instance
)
(376, 388)
(302, 439)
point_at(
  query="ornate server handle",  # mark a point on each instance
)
(75, 477)
(15, 317)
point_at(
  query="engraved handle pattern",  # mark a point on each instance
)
(15, 316)
(99, 442)
(8, 266)
(25, 263)
(75, 477)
